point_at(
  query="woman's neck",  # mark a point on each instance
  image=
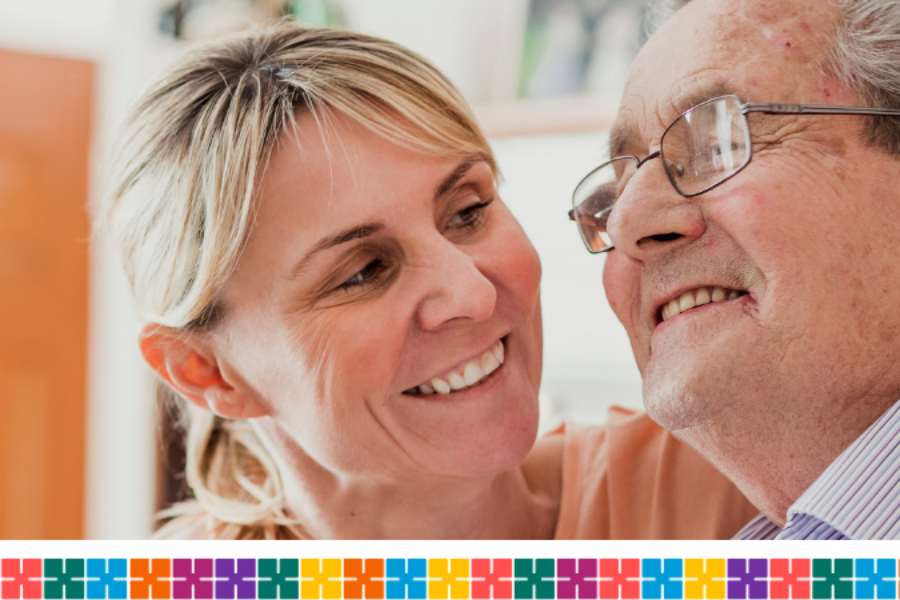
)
(498, 507)
(522, 503)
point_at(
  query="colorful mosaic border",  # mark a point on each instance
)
(446, 579)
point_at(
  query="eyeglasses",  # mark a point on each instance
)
(703, 148)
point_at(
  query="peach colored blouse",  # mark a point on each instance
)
(631, 479)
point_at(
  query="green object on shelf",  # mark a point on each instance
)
(315, 12)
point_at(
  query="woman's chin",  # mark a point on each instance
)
(504, 451)
(475, 438)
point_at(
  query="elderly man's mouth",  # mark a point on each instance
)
(696, 298)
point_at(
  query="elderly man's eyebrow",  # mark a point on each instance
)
(699, 95)
(342, 237)
(624, 132)
(619, 137)
(458, 173)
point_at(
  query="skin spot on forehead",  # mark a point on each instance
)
(798, 30)
(833, 90)
(785, 42)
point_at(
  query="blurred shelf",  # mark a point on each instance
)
(566, 114)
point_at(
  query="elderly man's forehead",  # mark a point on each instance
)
(713, 48)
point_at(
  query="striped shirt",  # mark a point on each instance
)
(856, 498)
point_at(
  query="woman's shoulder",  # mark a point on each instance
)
(552, 452)
(632, 479)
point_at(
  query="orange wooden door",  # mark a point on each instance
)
(45, 120)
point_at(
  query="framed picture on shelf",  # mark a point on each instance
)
(580, 46)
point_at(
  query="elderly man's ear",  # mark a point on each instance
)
(193, 369)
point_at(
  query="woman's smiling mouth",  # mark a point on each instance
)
(465, 375)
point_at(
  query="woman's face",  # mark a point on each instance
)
(372, 270)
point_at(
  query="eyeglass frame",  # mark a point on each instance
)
(745, 109)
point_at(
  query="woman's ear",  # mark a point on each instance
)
(191, 367)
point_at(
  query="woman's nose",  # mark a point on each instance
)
(650, 218)
(457, 289)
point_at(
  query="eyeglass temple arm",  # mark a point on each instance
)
(817, 109)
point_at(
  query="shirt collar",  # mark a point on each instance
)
(760, 528)
(859, 493)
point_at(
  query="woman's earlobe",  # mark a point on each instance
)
(232, 405)
(193, 371)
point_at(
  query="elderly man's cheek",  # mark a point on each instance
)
(621, 280)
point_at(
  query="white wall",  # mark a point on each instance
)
(476, 43)
(121, 486)
(77, 28)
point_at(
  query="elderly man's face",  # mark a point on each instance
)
(808, 233)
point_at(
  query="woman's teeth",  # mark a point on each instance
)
(466, 376)
(694, 298)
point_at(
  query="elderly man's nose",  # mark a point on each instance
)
(651, 218)
(457, 290)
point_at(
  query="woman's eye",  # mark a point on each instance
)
(368, 275)
(470, 217)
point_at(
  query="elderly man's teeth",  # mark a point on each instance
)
(694, 298)
(674, 309)
(702, 297)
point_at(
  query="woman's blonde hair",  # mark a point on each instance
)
(181, 206)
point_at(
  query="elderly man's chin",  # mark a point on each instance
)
(685, 389)
(677, 405)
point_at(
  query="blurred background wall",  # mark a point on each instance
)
(79, 456)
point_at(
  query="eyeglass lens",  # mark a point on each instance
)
(706, 146)
(701, 149)
(594, 199)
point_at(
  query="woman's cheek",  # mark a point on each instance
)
(521, 266)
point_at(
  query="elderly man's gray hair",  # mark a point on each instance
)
(865, 55)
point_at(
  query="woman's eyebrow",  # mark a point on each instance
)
(330, 241)
(458, 173)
